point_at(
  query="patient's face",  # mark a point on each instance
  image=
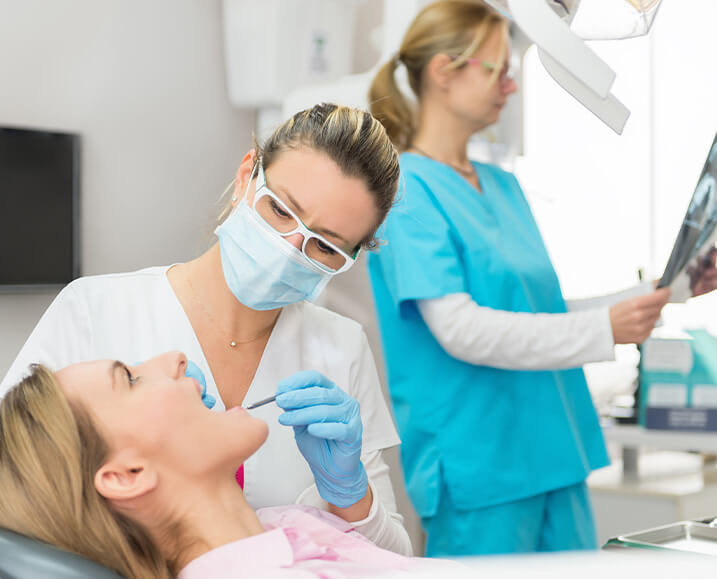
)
(153, 412)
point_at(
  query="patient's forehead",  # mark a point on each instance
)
(75, 379)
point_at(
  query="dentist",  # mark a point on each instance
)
(301, 209)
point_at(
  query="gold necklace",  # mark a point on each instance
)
(232, 343)
(465, 172)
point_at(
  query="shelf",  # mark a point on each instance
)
(637, 436)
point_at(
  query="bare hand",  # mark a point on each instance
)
(633, 320)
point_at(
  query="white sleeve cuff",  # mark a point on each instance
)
(383, 525)
(383, 529)
(311, 497)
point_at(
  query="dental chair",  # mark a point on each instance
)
(24, 558)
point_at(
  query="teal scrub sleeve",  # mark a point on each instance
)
(420, 259)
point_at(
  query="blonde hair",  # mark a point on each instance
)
(50, 451)
(456, 28)
(350, 137)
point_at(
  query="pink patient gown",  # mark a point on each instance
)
(302, 541)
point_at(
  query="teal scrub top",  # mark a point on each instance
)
(491, 436)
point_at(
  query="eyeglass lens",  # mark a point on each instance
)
(506, 72)
(279, 219)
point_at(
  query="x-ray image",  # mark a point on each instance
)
(694, 249)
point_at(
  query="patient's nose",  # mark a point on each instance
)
(173, 364)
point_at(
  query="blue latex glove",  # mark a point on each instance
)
(193, 371)
(327, 428)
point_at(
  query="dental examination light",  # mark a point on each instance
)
(559, 28)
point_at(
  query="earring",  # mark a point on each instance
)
(234, 198)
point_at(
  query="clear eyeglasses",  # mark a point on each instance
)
(507, 73)
(316, 248)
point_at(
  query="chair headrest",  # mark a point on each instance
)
(25, 558)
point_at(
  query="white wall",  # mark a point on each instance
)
(588, 187)
(686, 120)
(623, 197)
(609, 204)
(143, 83)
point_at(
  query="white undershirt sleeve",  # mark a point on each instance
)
(608, 300)
(384, 525)
(518, 341)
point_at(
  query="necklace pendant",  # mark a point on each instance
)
(232, 343)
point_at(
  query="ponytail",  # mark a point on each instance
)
(390, 106)
(454, 27)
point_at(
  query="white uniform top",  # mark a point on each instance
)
(135, 316)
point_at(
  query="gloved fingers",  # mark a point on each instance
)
(310, 396)
(304, 379)
(331, 431)
(208, 400)
(299, 431)
(315, 415)
(193, 371)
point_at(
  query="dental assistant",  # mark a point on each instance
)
(301, 209)
(483, 352)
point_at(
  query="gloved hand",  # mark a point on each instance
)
(193, 371)
(327, 428)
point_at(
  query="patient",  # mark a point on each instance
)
(126, 466)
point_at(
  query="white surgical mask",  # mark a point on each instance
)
(263, 270)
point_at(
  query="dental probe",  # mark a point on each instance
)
(261, 402)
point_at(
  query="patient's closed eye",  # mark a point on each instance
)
(132, 380)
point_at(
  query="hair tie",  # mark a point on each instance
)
(396, 59)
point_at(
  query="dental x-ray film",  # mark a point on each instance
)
(694, 251)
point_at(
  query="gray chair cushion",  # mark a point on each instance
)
(24, 558)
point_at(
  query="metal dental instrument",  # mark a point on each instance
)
(261, 402)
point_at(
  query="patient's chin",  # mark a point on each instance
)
(254, 438)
